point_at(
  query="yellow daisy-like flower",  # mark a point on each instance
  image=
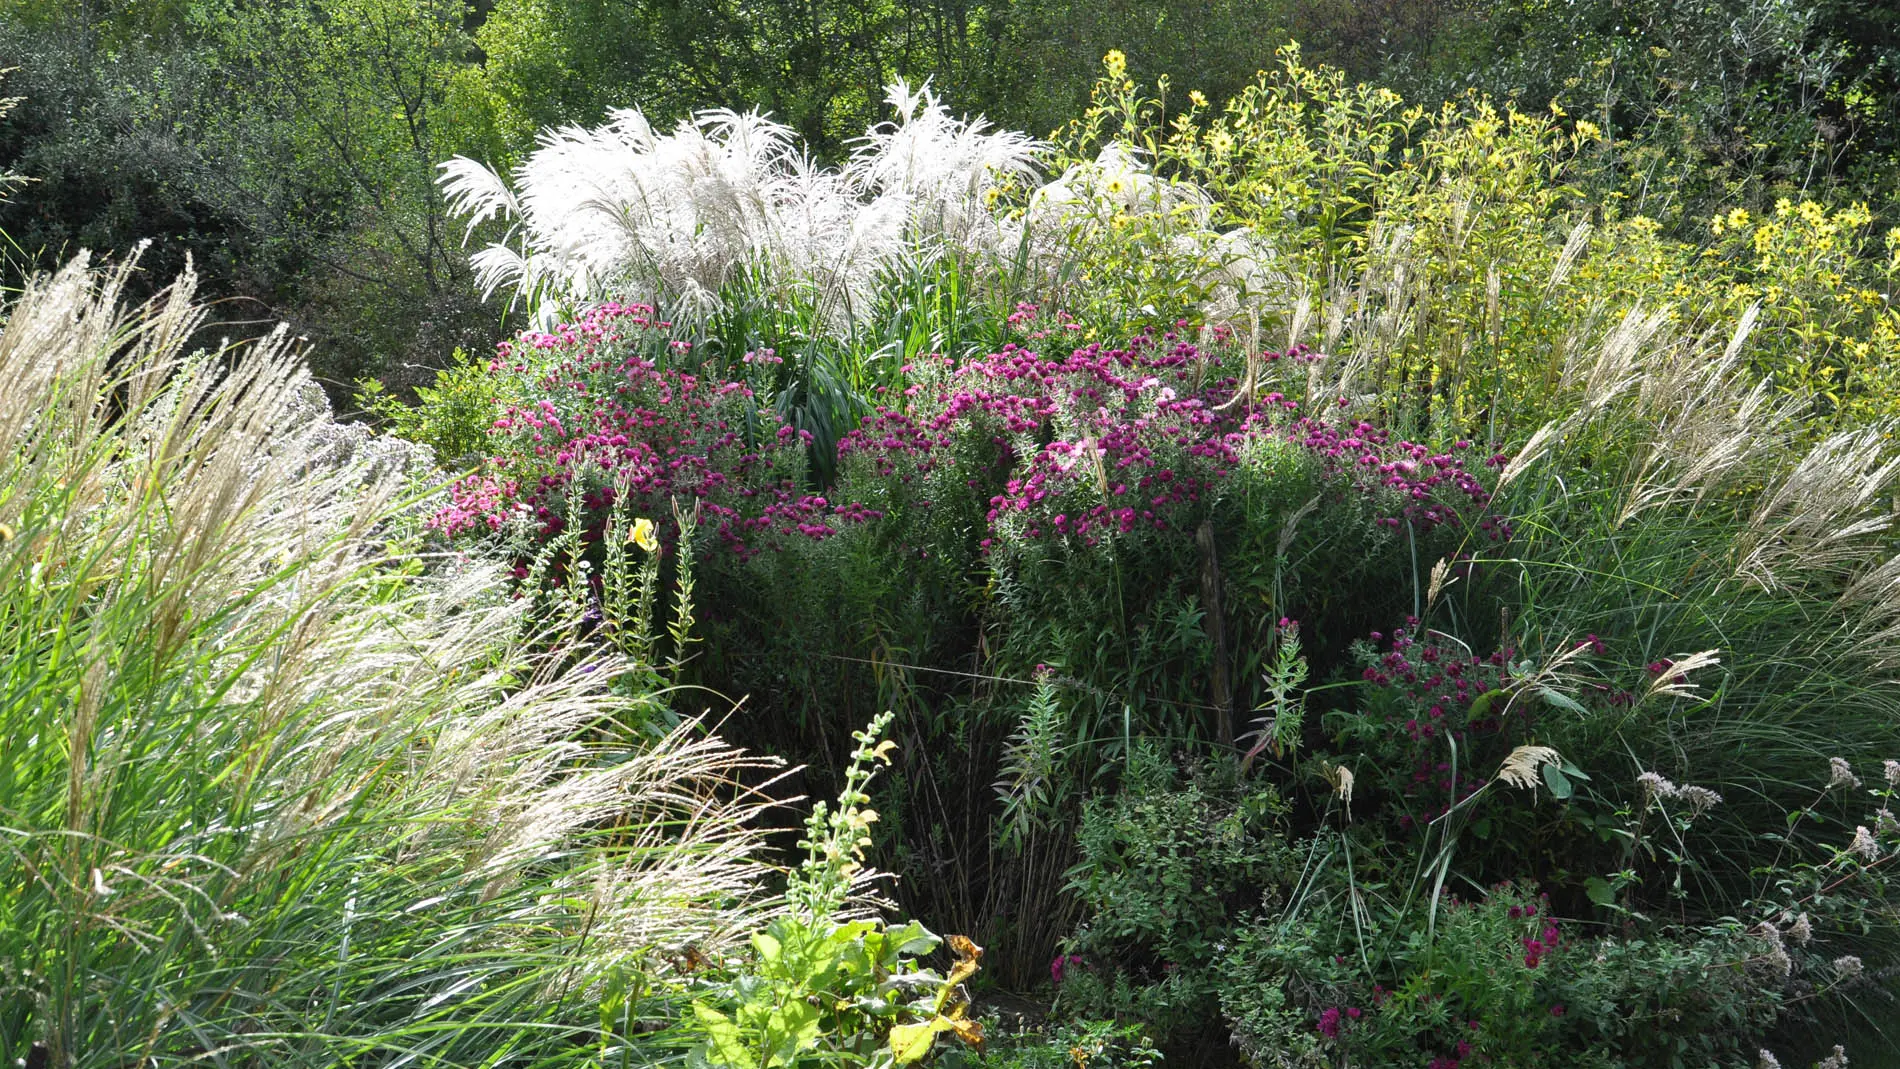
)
(1116, 62)
(1197, 98)
(645, 535)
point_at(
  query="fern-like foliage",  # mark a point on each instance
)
(1283, 713)
(1031, 778)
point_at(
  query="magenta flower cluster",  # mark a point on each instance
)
(1108, 442)
(1438, 685)
(600, 424)
(1101, 443)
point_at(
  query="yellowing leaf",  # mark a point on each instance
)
(911, 1042)
(969, 960)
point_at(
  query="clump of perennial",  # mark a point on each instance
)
(1105, 442)
(1101, 443)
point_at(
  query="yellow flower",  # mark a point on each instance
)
(644, 535)
(1588, 130)
(1116, 63)
(1197, 98)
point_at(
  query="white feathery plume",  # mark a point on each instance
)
(618, 210)
(1818, 515)
(1521, 766)
(1673, 681)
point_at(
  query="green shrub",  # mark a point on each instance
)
(453, 417)
(1165, 868)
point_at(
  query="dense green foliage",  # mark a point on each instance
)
(1336, 578)
(289, 148)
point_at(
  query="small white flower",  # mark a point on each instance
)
(1836, 1060)
(1848, 966)
(1891, 769)
(1777, 956)
(1800, 932)
(1766, 1060)
(1864, 845)
(1700, 799)
(1840, 773)
(1655, 786)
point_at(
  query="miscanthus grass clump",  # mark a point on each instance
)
(276, 790)
(621, 210)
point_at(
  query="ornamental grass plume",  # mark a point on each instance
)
(619, 210)
(1521, 765)
(1673, 680)
(1817, 514)
(303, 796)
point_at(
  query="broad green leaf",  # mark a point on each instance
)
(723, 1043)
(1558, 783)
(911, 1042)
(913, 939)
(1562, 701)
(790, 1031)
(1599, 891)
(1481, 705)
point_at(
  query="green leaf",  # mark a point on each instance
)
(1558, 783)
(723, 1043)
(1599, 891)
(911, 1042)
(913, 939)
(1482, 703)
(1562, 701)
(791, 1030)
